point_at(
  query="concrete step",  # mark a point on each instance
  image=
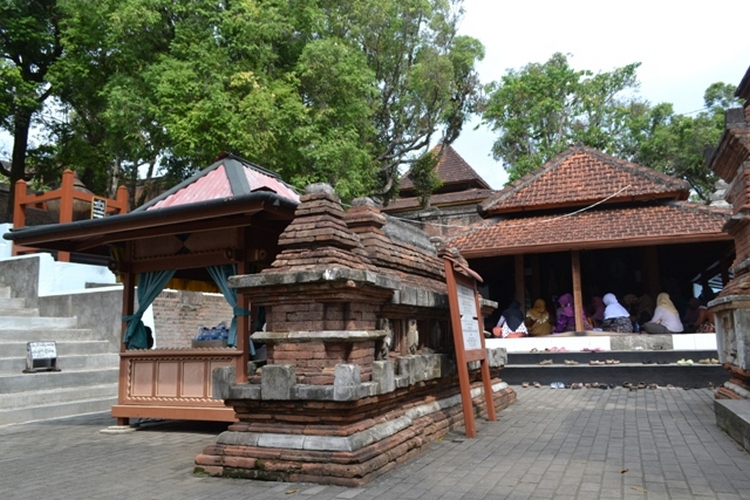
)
(12, 303)
(639, 356)
(5, 292)
(44, 334)
(64, 348)
(59, 410)
(76, 362)
(41, 381)
(27, 322)
(662, 374)
(61, 395)
(22, 312)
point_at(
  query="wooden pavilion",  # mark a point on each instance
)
(224, 220)
(589, 223)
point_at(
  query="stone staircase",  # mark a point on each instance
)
(86, 382)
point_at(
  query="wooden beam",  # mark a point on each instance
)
(575, 261)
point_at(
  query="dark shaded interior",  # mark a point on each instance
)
(617, 270)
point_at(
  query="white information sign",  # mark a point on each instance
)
(467, 307)
(42, 350)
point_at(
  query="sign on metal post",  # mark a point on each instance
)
(41, 356)
(468, 337)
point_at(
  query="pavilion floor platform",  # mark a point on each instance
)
(591, 357)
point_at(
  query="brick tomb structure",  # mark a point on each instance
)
(360, 375)
(731, 162)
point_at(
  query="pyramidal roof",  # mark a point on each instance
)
(452, 169)
(229, 177)
(581, 176)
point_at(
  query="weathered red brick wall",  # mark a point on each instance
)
(179, 314)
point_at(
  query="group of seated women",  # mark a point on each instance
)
(608, 315)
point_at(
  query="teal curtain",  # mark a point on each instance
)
(149, 286)
(220, 275)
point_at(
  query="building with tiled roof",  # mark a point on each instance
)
(453, 204)
(589, 223)
(224, 220)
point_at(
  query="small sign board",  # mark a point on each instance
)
(468, 338)
(41, 356)
(98, 207)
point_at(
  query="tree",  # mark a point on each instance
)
(424, 177)
(677, 144)
(29, 46)
(326, 90)
(543, 108)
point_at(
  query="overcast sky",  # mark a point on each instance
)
(682, 46)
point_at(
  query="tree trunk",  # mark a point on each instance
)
(21, 125)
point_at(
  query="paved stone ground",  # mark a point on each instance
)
(552, 444)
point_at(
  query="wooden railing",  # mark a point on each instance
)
(173, 384)
(66, 198)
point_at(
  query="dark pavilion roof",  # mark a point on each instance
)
(230, 192)
(452, 170)
(585, 199)
(461, 184)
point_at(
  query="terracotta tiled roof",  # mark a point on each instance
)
(469, 196)
(581, 176)
(601, 227)
(452, 169)
(229, 177)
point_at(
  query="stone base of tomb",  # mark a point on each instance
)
(345, 443)
(732, 315)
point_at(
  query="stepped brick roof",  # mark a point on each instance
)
(581, 176)
(452, 170)
(601, 227)
(229, 177)
(585, 199)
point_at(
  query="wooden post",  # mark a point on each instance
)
(19, 209)
(536, 278)
(575, 261)
(520, 281)
(128, 303)
(466, 314)
(243, 328)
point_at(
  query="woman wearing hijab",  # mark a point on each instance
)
(510, 324)
(616, 317)
(666, 318)
(566, 319)
(537, 319)
(597, 310)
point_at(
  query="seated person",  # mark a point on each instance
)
(537, 319)
(705, 322)
(510, 324)
(692, 315)
(641, 308)
(566, 320)
(616, 317)
(666, 319)
(597, 310)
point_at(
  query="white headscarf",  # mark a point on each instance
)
(613, 309)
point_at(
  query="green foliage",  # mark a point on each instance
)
(425, 178)
(540, 110)
(325, 90)
(543, 108)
